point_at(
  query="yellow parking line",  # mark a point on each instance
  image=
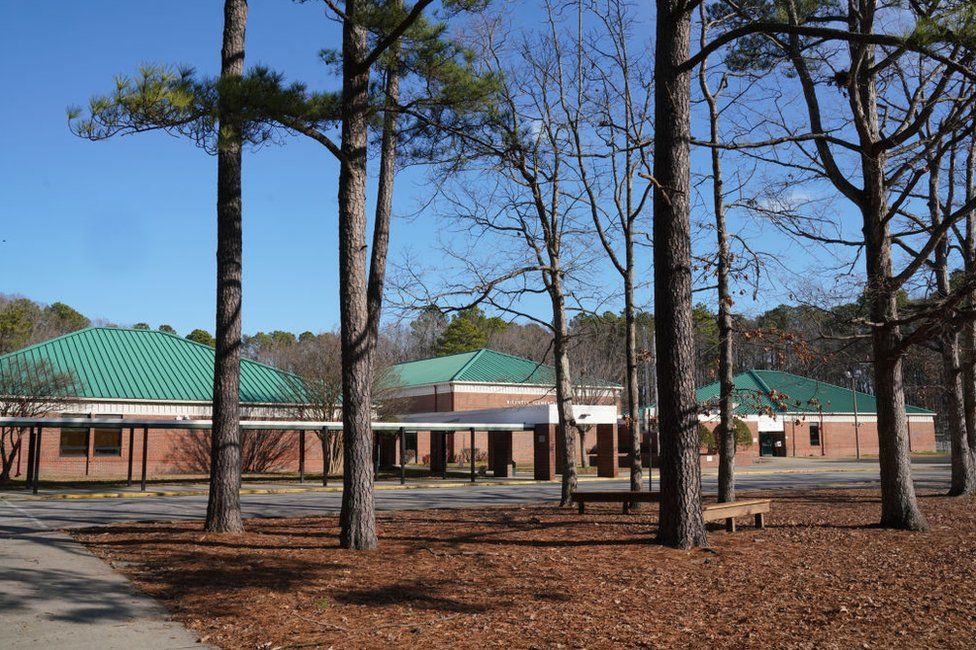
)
(300, 489)
(417, 486)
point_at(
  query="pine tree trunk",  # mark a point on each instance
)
(681, 523)
(357, 517)
(224, 501)
(899, 507)
(564, 387)
(384, 190)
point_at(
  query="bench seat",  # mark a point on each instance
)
(710, 511)
(729, 511)
(625, 497)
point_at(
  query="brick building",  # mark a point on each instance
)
(791, 415)
(146, 375)
(150, 375)
(478, 385)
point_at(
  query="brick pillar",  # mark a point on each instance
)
(606, 450)
(544, 452)
(436, 451)
(560, 445)
(500, 452)
(388, 450)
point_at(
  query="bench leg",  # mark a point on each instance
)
(626, 507)
(760, 521)
(730, 524)
(581, 507)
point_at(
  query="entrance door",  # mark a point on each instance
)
(766, 441)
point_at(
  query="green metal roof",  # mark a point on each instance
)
(116, 363)
(481, 366)
(759, 390)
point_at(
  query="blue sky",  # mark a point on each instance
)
(124, 229)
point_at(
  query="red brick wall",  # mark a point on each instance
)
(170, 452)
(838, 438)
(922, 436)
(521, 445)
(439, 403)
(744, 456)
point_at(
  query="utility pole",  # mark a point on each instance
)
(852, 375)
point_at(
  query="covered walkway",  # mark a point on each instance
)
(532, 429)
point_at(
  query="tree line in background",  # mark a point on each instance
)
(24, 322)
(805, 340)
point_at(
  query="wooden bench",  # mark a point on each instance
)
(710, 511)
(729, 511)
(625, 497)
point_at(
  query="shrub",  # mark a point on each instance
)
(705, 437)
(464, 457)
(743, 436)
(709, 439)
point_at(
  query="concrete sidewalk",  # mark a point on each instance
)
(55, 594)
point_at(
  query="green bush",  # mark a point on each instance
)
(743, 436)
(705, 436)
(709, 439)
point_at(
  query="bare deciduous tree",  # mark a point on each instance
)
(881, 145)
(28, 389)
(528, 218)
(609, 134)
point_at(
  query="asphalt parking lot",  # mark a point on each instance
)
(19, 514)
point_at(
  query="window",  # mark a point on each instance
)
(814, 435)
(74, 440)
(410, 445)
(108, 442)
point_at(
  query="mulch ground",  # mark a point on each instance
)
(820, 576)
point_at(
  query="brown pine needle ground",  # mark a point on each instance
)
(538, 577)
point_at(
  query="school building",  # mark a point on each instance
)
(486, 386)
(790, 415)
(136, 374)
(116, 373)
